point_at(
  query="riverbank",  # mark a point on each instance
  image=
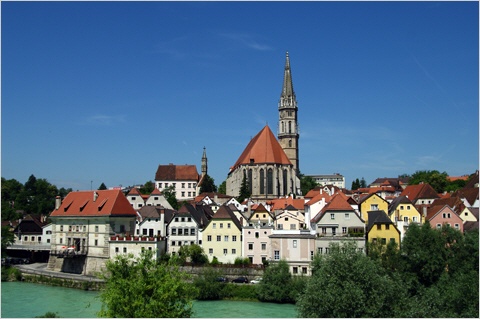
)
(38, 273)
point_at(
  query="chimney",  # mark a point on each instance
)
(424, 208)
(95, 196)
(58, 202)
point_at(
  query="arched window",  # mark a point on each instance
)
(250, 180)
(283, 127)
(270, 181)
(262, 181)
(289, 126)
(285, 189)
(289, 143)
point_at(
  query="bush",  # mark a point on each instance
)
(242, 261)
(208, 286)
(11, 274)
(276, 285)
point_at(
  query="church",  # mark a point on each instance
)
(269, 166)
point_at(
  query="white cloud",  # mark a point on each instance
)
(102, 119)
(246, 40)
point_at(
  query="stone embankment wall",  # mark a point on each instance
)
(228, 271)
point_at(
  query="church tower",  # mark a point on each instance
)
(204, 162)
(288, 134)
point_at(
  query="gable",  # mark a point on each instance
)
(177, 173)
(262, 149)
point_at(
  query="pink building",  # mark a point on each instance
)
(443, 214)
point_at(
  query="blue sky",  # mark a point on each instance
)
(107, 91)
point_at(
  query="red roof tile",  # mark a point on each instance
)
(414, 192)
(108, 203)
(177, 173)
(263, 148)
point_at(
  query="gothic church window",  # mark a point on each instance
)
(262, 181)
(270, 181)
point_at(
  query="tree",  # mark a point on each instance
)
(147, 188)
(194, 253)
(355, 184)
(8, 238)
(209, 288)
(102, 187)
(222, 189)
(351, 285)
(142, 288)
(434, 178)
(276, 284)
(363, 183)
(208, 185)
(244, 190)
(169, 194)
(11, 189)
(307, 183)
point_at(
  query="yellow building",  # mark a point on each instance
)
(222, 238)
(381, 228)
(403, 213)
(372, 202)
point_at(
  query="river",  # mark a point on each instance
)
(28, 300)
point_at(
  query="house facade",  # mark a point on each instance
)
(381, 228)
(222, 237)
(439, 215)
(297, 250)
(256, 243)
(183, 178)
(338, 222)
(372, 202)
(82, 225)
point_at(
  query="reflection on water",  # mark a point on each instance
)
(28, 300)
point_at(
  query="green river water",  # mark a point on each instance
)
(28, 300)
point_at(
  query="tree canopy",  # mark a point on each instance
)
(142, 288)
(208, 185)
(307, 183)
(434, 178)
(147, 188)
(36, 196)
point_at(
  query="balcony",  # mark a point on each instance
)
(69, 252)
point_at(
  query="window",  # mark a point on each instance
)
(295, 270)
(214, 225)
(256, 234)
(192, 231)
(183, 185)
(210, 251)
(448, 215)
(234, 251)
(332, 216)
(392, 240)
(374, 207)
(61, 227)
(159, 185)
(286, 219)
(276, 255)
(189, 219)
(225, 251)
(294, 243)
(304, 270)
(174, 231)
(311, 254)
(324, 230)
(225, 238)
(180, 231)
(415, 219)
(96, 242)
(379, 227)
(439, 226)
(250, 246)
(61, 240)
(405, 219)
(176, 219)
(344, 230)
(293, 226)
(457, 226)
(264, 246)
(183, 194)
(320, 250)
(384, 241)
(401, 207)
(387, 226)
(219, 238)
(116, 249)
(209, 238)
(334, 231)
(234, 237)
(70, 227)
(173, 242)
(229, 225)
(408, 207)
(347, 216)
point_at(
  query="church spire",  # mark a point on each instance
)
(287, 89)
(288, 133)
(204, 162)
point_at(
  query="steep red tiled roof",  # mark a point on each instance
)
(282, 203)
(176, 173)
(414, 192)
(318, 198)
(470, 194)
(156, 191)
(134, 191)
(339, 202)
(108, 203)
(263, 148)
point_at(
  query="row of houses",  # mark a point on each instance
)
(89, 227)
